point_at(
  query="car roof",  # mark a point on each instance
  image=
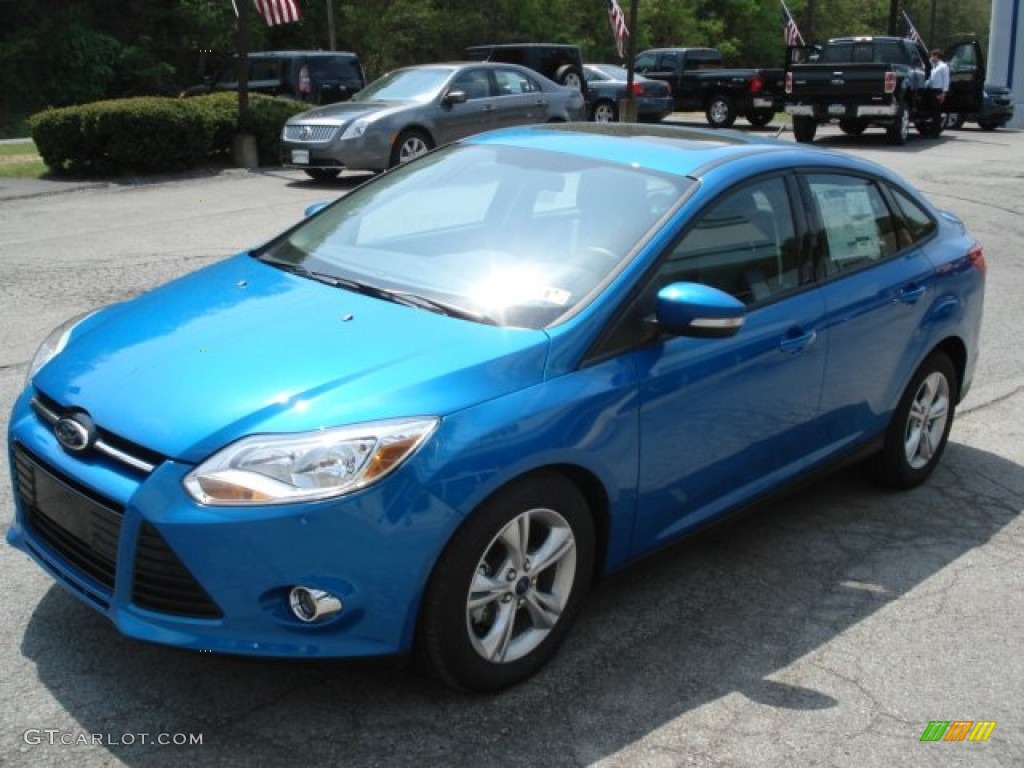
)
(676, 150)
(292, 54)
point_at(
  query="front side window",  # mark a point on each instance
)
(857, 227)
(744, 244)
(475, 83)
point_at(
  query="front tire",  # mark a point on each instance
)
(720, 112)
(760, 119)
(919, 429)
(410, 144)
(804, 128)
(508, 586)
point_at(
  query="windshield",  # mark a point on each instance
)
(406, 85)
(504, 235)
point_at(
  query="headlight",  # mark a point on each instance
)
(279, 469)
(53, 344)
(356, 128)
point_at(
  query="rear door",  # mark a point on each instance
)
(519, 99)
(876, 286)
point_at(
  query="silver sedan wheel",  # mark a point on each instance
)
(522, 584)
(926, 423)
(412, 147)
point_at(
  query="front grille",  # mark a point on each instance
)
(309, 132)
(113, 446)
(74, 523)
(161, 582)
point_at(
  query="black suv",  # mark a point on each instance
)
(556, 61)
(319, 77)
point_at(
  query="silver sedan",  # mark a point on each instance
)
(409, 111)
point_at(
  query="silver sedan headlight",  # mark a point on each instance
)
(356, 128)
(280, 469)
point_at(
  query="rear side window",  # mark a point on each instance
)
(858, 229)
(919, 224)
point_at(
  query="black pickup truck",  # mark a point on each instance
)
(874, 81)
(700, 82)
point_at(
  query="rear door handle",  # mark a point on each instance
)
(909, 294)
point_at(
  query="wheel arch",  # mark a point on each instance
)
(415, 127)
(956, 351)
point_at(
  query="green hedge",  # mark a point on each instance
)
(154, 134)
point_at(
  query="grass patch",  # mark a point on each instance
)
(19, 160)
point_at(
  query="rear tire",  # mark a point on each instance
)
(570, 76)
(720, 112)
(322, 174)
(804, 129)
(605, 111)
(919, 429)
(899, 129)
(508, 586)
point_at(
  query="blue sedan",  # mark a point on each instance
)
(432, 415)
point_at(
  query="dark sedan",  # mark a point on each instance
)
(607, 83)
(409, 111)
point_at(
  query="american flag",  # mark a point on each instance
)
(912, 32)
(618, 24)
(789, 30)
(278, 11)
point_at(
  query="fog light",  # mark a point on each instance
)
(311, 605)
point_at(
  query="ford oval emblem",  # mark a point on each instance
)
(72, 434)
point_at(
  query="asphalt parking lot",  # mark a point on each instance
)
(828, 630)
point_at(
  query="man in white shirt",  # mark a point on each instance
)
(939, 80)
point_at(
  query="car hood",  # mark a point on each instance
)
(242, 347)
(346, 111)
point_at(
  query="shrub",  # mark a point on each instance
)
(154, 134)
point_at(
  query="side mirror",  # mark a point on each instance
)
(692, 309)
(454, 97)
(315, 208)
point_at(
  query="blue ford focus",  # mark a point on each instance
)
(430, 416)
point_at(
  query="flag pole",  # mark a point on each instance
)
(629, 113)
(243, 148)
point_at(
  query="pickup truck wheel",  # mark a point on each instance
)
(852, 127)
(900, 127)
(804, 129)
(720, 112)
(930, 128)
(760, 119)
(605, 112)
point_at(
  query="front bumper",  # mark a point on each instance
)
(369, 152)
(164, 569)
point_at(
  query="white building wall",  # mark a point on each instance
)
(1006, 52)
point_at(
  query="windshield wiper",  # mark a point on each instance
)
(398, 297)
